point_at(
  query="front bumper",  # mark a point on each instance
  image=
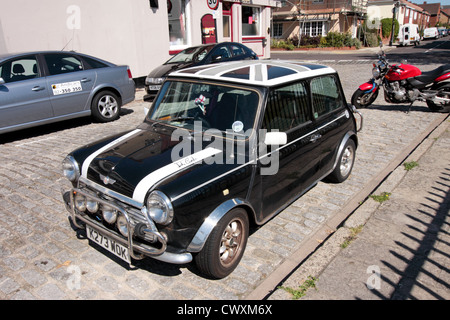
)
(137, 249)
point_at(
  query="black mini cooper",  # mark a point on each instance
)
(223, 147)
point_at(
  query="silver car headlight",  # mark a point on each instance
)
(153, 80)
(159, 208)
(70, 168)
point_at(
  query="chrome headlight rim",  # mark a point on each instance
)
(70, 168)
(376, 72)
(159, 208)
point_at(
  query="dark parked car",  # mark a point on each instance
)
(223, 147)
(42, 87)
(195, 56)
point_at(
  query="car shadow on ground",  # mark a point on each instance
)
(50, 128)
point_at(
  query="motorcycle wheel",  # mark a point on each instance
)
(361, 99)
(440, 107)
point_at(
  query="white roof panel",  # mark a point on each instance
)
(256, 72)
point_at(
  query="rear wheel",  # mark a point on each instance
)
(345, 163)
(363, 99)
(105, 106)
(440, 107)
(225, 246)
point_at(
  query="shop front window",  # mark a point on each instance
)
(251, 21)
(178, 33)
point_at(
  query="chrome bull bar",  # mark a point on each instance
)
(136, 250)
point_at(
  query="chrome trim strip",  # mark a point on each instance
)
(111, 193)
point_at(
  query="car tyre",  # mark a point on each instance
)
(225, 246)
(345, 163)
(106, 106)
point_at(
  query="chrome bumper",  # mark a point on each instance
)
(136, 250)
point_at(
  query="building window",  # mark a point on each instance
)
(226, 26)
(277, 30)
(251, 21)
(313, 28)
(178, 32)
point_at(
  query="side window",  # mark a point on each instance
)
(287, 107)
(62, 63)
(221, 53)
(237, 51)
(95, 63)
(326, 95)
(20, 69)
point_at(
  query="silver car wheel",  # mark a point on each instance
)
(231, 242)
(347, 161)
(108, 106)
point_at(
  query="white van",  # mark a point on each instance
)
(408, 34)
(431, 33)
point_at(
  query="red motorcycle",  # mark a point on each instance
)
(404, 83)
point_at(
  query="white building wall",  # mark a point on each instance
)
(119, 31)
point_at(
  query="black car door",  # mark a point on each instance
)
(331, 117)
(286, 171)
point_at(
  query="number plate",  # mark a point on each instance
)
(154, 88)
(109, 244)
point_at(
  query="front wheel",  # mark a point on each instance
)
(440, 107)
(363, 99)
(225, 246)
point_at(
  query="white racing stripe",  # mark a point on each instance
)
(87, 162)
(153, 178)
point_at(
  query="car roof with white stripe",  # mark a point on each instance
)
(255, 72)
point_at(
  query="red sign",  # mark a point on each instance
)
(212, 4)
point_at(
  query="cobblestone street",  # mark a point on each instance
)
(42, 257)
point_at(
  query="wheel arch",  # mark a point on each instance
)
(102, 88)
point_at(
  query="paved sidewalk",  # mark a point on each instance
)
(403, 248)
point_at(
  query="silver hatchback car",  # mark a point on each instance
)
(41, 87)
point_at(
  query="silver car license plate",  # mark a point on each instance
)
(111, 245)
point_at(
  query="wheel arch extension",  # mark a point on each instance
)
(211, 221)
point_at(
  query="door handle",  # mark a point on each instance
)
(85, 80)
(37, 88)
(315, 137)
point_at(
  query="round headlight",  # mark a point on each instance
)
(70, 168)
(92, 205)
(122, 225)
(109, 214)
(80, 202)
(159, 208)
(376, 72)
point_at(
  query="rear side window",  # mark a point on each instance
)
(95, 63)
(326, 96)
(20, 69)
(287, 107)
(62, 63)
